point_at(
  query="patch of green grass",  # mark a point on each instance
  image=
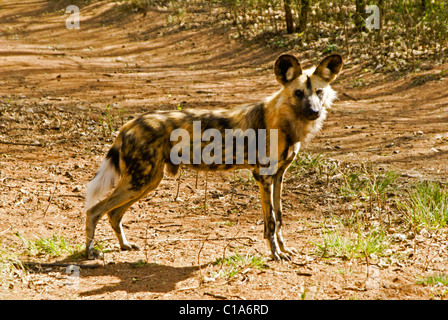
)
(225, 223)
(55, 246)
(10, 267)
(138, 5)
(426, 205)
(368, 184)
(243, 176)
(348, 242)
(384, 182)
(107, 121)
(422, 79)
(141, 263)
(353, 185)
(232, 265)
(357, 83)
(306, 162)
(436, 279)
(331, 48)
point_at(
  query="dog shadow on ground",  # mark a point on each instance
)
(135, 278)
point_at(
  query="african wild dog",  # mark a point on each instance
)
(136, 161)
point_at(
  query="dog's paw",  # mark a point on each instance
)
(290, 251)
(129, 246)
(94, 254)
(278, 255)
(284, 254)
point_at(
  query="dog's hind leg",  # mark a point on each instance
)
(122, 195)
(116, 215)
(115, 205)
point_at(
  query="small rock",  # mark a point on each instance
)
(378, 67)
(424, 233)
(399, 237)
(209, 279)
(426, 66)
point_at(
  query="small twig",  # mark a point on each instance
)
(146, 241)
(178, 184)
(52, 181)
(4, 231)
(211, 239)
(234, 189)
(197, 177)
(428, 260)
(225, 248)
(49, 200)
(217, 296)
(368, 265)
(8, 186)
(58, 264)
(205, 193)
(188, 288)
(171, 225)
(71, 195)
(304, 274)
(11, 178)
(300, 264)
(199, 255)
(22, 143)
(301, 193)
(350, 97)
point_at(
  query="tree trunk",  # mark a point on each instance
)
(360, 14)
(424, 6)
(288, 16)
(304, 8)
(381, 6)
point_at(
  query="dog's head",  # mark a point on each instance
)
(308, 91)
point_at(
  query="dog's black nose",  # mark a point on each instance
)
(312, 113)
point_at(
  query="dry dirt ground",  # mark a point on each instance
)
(65, 93)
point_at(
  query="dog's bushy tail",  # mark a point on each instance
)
(105, 179)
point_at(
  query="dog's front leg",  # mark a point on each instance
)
(277, 201)
(266, 186)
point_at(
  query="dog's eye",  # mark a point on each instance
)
(298, 93)
(319, 92)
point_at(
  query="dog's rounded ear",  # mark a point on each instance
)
(287, 68)
(329, 68)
